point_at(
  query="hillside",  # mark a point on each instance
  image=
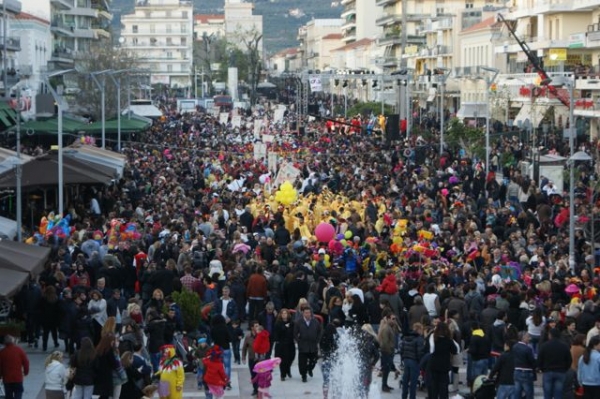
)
(280, 29)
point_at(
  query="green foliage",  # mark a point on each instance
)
(191, 308)
(366, 109)
(471, 139)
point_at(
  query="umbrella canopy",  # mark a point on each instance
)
(22, 257)
(11, 281)
(43, 171)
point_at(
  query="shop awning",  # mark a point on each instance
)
(43, 171)
(472, 110)
(8, 159)
(22, 257)
(134, 124)
(147, 110)
(71, 125)
(531, 114)
(11, 282)
(8, 228)
(8, 116)
(97, 156)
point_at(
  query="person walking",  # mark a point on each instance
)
(387, 347)
(504, 369)
(285, 349)
(55, 376)
(83, 363)
(442, 347)
(221, 336)
(50, 316)
(248, 352)
(14, 366)
(307, 333)
(554, 359)
(411, 352)
(588, 369)
(524, 366)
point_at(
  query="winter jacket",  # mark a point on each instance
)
(412, 346)
(387, 338)
(13, 364)
(155, 330)
(307, 336)
(221, 336)
(56, 375)
(479, 346)
(84, 373)
(261, 343)
(474, 302)
(388, 285)
(497, 335)
(504, 368)
(214, 372)
(49, 313)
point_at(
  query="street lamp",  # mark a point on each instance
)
(102, 88)
(488, 81)
(443, 77)
(61, 105)
(117, 83)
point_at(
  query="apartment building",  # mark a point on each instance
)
(359, 20)
(11, 44)
(74, 25)
(240, 22)
(208, 25)
(310, 38)
(160, 34)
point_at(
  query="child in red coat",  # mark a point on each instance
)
(261, 343)
(214, 373)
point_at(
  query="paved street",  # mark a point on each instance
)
(241, 388)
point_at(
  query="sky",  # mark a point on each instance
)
(36, 7)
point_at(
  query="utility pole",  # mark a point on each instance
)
(4, 52)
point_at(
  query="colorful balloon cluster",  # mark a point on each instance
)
(120, 232)
(55, 225)
(88, 140)
(287, 194)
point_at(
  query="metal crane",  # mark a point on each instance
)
(562, 96)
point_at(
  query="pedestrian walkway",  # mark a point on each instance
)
(241, 387)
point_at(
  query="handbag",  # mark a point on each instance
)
(164, 388)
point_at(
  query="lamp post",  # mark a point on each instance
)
(19, 172)
(61, 105)
(488, 82)
(102, 88)
(117, 83)
(443, 76)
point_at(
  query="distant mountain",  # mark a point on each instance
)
(280, 28)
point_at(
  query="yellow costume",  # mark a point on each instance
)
(171, 372)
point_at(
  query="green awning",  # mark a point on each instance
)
(4, 120)
(133, 125)
(8, 116)
(51, 125)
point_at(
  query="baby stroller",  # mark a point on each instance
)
(483, 388)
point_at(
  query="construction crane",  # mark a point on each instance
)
(562, 96)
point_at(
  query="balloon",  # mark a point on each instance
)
(286, 194)
(339, 237)
(348, 234)
(324, 232)
(344, 242)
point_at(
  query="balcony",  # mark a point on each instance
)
(25, 70)
(84, 33)
(61, 28)
(62, 54)
(12, 77)
(82, 12)
(388, 20)
(14, 6)
(62, 4)
(381, 3)
(12, 43)
(348, 25)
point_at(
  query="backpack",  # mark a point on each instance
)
(199, 260)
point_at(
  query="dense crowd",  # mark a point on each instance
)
(432, 259)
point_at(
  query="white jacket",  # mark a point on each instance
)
(99, 310)
(56, 375)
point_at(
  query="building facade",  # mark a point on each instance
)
(74, 25)
(241, 23)
(310, 37)
(160, 34)
(359, 20)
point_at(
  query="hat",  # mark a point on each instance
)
(321, 251)
(202, 340)
(551, 320)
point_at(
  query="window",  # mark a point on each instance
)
(169, 68)
(184, 14)
(169, 54)
(152, 28)
(469, 4)
(183, 28)
(169, 41)
(183, 54)
(183, 41)
(168, 14)
(168, 28)
(134, 29)
(148, 14)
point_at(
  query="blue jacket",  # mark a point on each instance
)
(589, 374)
(232, 310)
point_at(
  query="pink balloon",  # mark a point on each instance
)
(324, 232)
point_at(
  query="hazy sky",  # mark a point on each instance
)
(39, 8)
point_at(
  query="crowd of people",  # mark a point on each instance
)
(433, 262)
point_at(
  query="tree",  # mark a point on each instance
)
(102, 56)
(250, 43)
(209, 51)
(471, 139)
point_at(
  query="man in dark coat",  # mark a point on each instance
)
(295, 290)
(307, 333)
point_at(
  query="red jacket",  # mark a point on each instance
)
(214, 372)
(261, 344)
(257, 286)
(14, 364)
(388, 285)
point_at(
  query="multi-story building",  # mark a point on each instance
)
(160, 34)
(283, 61)
(241, 23)
(310, 37)
(359, 20)
(32, 60)
(74, 25)
(10, 43)
(208, 25)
